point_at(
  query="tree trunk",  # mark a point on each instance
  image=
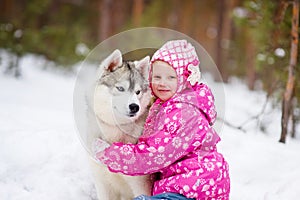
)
(138, 6)
(287, 98)
(120, 12)
(186, 13)
(293, 117)
(226, 39)
(174, 15)
(13, 67)
(221, 7)
(281, 7)
(104, 19)
(250, 63)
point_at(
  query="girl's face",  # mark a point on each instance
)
(164, 80)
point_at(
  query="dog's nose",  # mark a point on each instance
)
(134, 108)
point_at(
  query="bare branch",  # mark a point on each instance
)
(256, 117)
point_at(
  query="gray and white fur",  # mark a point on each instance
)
(118, 107)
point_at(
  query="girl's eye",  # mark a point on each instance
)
(121, 89)
(172, 77)
(138, 92)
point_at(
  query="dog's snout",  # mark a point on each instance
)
(134, 108)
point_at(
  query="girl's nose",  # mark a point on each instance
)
(161, 82)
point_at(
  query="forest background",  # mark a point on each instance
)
(255, 40)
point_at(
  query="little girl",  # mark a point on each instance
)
(178, 140)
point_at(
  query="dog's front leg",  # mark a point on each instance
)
(104, 188)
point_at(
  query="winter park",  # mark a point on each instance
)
(251, 66)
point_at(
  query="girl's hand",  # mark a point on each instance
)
(98, 148)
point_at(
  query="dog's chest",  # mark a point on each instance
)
(120, 133)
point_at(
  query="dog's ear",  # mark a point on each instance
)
(143, 66)
(113, 61)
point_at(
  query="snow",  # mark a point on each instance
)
(41, 156)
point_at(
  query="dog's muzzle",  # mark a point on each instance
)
(134, 108)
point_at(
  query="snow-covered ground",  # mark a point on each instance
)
(41, 156)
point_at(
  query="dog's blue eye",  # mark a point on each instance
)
(138, 92)
(121, 89)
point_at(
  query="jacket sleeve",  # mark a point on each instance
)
(181, 130)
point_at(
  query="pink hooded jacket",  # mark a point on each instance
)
(178, 140)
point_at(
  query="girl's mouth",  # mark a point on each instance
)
(163, 91)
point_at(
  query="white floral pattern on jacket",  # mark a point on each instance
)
(179, 143)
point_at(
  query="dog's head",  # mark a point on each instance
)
(122, 92)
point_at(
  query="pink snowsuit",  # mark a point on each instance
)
(179, 143)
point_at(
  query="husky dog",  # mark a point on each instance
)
(120, 106)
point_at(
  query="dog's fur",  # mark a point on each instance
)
(119, 108)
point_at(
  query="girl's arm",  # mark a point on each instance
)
(183, 131)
